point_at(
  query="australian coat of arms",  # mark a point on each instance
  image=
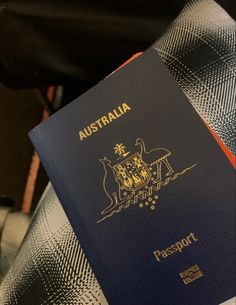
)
(136, 178)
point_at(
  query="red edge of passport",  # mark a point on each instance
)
(227, 152)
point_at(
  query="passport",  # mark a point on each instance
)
(146, 188)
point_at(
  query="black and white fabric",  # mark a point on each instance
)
(50, 267)
(199, 49)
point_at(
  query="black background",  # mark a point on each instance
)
(77, 43)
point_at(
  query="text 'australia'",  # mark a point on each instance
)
(104, 121)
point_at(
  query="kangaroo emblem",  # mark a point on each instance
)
(108, 185)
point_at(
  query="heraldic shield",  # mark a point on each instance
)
(132, 173)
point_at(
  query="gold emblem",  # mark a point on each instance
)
(132, 173)
(136, 178)
(191, 274)
(120, 150)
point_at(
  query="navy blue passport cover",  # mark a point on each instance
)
(147, 190)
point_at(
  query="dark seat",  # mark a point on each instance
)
(77, 43)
